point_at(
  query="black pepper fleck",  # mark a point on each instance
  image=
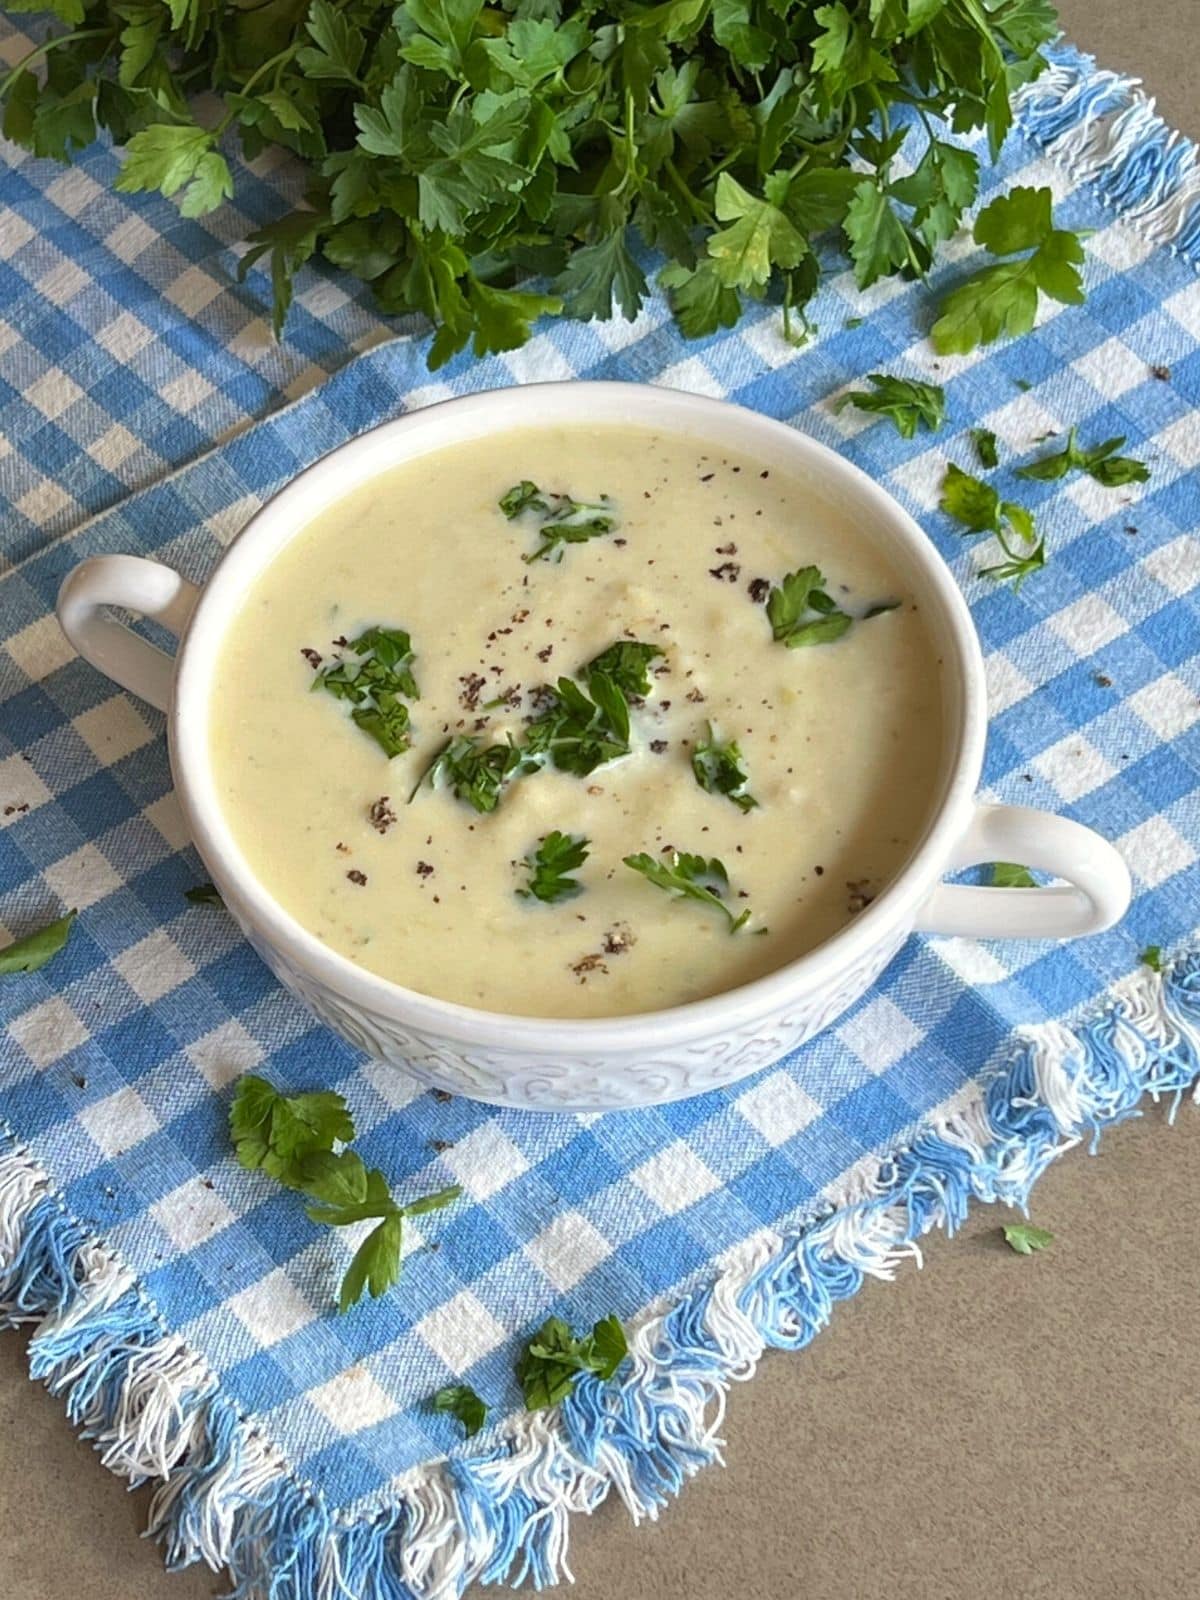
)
(356, 876)
(759, 589)
(313, 657)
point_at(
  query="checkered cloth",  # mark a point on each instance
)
(126, 352)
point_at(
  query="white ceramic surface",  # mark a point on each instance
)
(597, 1064)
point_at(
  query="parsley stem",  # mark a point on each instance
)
(276, 61)
(697, 207)
(44, 49)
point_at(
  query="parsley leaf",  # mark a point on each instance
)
(718, 770)
(1008, 875)
(980, 509)
(801, 613)
(277, 1132)
(1024, 1238)
(375, 1266)
(203, 894)
(627, 663)
(551, 1362)
(556, 856)
(1152, 957)
(984, 441)
(1101, 463)
(461, 1401)
(376, 678)
(169, 158)
(1004, 298)
(759, 237)
(906, 401)
(35, 949)
(689, 877)
(473, 772)
(579, 732)
(561, 519)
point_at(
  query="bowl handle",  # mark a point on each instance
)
(1099, 880)
(135, 584)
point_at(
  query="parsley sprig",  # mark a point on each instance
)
(802, 613)
(1003, 298)
(1101, 462)
(554, 1358)
(375, 676)
(906, 402)
(453, 148)
(717, 766)
(627, 663)
(690, 877)
(581, 730)
(559, 520)
(980, 509)
(555, 857)
(473, 771)
(292, 1138)
(461, 1401)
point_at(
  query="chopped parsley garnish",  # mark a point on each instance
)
(579, 732)
(1152, 957)
(474, 772)
(718, 768)
(627, 663)
(291, 1137)
(986, 449)
(1024, 1238)
(1010, 875)
(905, 401)
(376, 679)
(35, 949)
(801, 612)
(689, 877)
(560, 519)
(461, 1401)
(980, 510)
(1101, 463)
(556, 856)
(553, 1359)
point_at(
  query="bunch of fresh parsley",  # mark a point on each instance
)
(456, 150)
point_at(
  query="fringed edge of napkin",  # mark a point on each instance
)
(227, 1495)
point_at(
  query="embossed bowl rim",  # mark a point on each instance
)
(459, 419)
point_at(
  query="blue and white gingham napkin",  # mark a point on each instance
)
(184, 1306)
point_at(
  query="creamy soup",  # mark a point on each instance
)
(406, 774)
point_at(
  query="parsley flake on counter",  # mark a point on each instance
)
(1101, 463)
(980, 510)
(986, 449)
(474, 772)
(906, 402)
(717, 766)
(1003, 298)
(561, 520)
(1010, 875)
(627, 663)
(554, 1358)
(461, 1401)
(556, 856)
(1024, 1238)
(376, 679)
(689, 877)
(1152, 957)
(35, 949)
(801, 613)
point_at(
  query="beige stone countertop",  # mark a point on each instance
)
(994, 1426)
